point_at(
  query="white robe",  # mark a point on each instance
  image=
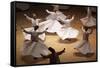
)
(89, 20)
(54, 27)
(69, 32)
(84, 47)
(52, 23)
(28, 36)
(60, 15)
(31, 29)
(35, 49)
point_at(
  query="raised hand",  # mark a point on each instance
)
(46, 10)
(64, 50)
(25, 14)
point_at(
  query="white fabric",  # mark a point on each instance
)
(60, 15)
(84, 47)
(35, 49)
(31, 29)
(52, 15)
(69, 32)
(28, 36)
(54, 27)
(41, 36)
(88, 21)
(52, 21)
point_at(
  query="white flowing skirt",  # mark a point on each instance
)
(84, 47)
(69, 32)
(35, 49)
(52, 25)
(91, 21)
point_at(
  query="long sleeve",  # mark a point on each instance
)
(49, 12)
(72, 18)
(40, 32)
(47, 56)
(83, 29)
(27, 32)
(29, 18)
(59, 53)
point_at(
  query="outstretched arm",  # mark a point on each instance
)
(72, 18)
(26, 31)
(41, 32)
(49, 12)
(47, 56)
(59, 53)
(83, 29)
(29, 18)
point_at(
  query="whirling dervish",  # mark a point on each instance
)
(59, 14)
(84, 46)
(67, 32)
(34, 47)
(35, 24)
(52, 22)
(89, 20)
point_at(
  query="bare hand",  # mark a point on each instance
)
(25, 14)
(64, 50)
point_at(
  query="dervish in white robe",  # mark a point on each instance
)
(67, 32)
(89, 20)
(84, 46)
(35, 46)
(35, 22)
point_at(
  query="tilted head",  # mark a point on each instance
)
(86, 28)
(34, 15)
(36, 27)
(51, 49)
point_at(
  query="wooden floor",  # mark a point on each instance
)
(52, 40)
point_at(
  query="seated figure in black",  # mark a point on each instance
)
(54, 56)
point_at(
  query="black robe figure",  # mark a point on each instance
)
(54, 56)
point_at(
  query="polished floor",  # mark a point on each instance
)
(52, 40)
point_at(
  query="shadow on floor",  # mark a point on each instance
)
(50, 33)
(30, 60)
(88, 55)
(69, 41)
